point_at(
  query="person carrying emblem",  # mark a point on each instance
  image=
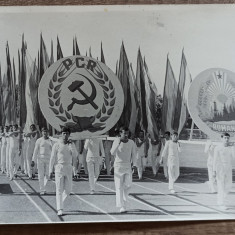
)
(41, 155)
(124, 150)
(222, 169)
(63, 157)
(95, 150)
(171, 152)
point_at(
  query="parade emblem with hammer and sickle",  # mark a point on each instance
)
(80, 92)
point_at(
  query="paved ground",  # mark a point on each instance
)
(150, 199)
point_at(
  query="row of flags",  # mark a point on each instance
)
(144, 109)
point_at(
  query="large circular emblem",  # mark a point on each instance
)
(211, 102)
(81, 93)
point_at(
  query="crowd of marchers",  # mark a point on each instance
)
(37, 153)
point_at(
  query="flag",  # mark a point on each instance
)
(44, 63)
(76, 50)
(141, 94)
(123, 75)
(52, 56)
(59, 51)
(169, 96)
(31, 92)
(116, 71)
(151, 94)
(186, 76)
(90, 52)
(7, 90)
(133, 116)
(14, 97)
(102, 55)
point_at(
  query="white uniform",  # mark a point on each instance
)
(62, 157)
(140, 159)
(222, 164)
(209, 149)
(165, 159)
(14, 158)
(94, 148)
(7, 154)
(41, 155)
(81, 156)
(171, 150)
(29, 154)
(3, 153)
(108, 157)
(125, 154)
(155, 159)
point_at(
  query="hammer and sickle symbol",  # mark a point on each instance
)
(76, 86)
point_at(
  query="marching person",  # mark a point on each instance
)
(167, 137)
(209, 149)
(63, 157)
(171, 152)
(31, 140)
(14, 151)
(7, 149)
(3, 149)
(81, 156)
(222, 169)
(95, 151)
(108, 157)
(124, 150)
(42, 154)
(141, 154)
(155, 156)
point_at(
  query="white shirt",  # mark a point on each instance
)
(62, 156)
(43, 148)
(94, 147)
(124, 153)
(171, 149)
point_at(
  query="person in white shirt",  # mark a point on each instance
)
(155, 158)
(209, 149)
(81, 156)
(7, 150)
(63, 157)
(167, 136)
(141, 154)
(14, 151)
(171, 151)
(222, 169)
(3, 149)
(41, 155)
(31, 140)
(95, 151)
(124, 151)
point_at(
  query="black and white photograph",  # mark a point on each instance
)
(117, 113)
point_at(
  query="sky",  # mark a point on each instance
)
(206, 32)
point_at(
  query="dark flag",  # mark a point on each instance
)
(76, 50)
(59, 51)
(180, 94)
(102, 55)
(169, 97)
(142, 122)
(123, 75)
